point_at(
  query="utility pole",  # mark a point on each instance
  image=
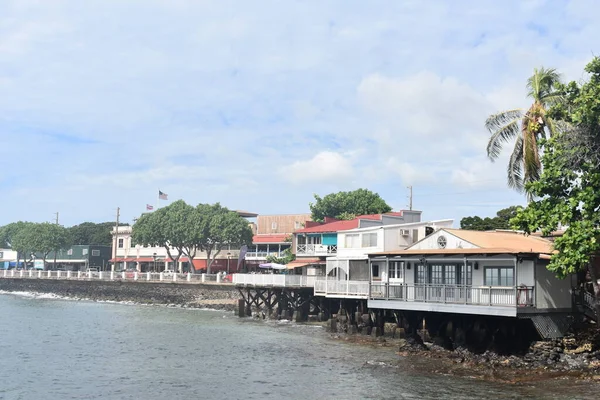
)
(410, 197)
(55, 250)
(112, 268)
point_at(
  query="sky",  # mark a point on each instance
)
(261, 104)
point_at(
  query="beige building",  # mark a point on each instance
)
(279, 224)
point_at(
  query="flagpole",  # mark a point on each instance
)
(158, 199)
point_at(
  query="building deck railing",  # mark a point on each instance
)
(315, 249)
(114, 276)
(522, 296)
(348, 288)
(274, 280)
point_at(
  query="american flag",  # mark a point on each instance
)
(149, 207)
(162, 196)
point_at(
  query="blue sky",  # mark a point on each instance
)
(260, 104)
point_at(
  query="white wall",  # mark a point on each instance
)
(360, 251)
(452, 242)
(551, 292)
(8, 255)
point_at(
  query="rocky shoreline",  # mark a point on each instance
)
(574, 356)
(213, 296)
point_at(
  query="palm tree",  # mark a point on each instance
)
(526, 127)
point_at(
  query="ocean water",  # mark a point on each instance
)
(63, 349)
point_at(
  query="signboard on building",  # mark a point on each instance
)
(38, 264)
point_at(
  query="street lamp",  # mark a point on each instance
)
(154, 258)
(228, 258)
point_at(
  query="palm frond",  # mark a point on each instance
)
(515, 166)
(504, 127)
(542, 83)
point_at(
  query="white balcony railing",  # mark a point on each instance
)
(274, 280)
(316, 249)
(521, 296)
(262, 254)
(330, 287)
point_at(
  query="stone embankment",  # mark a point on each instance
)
(215, 296)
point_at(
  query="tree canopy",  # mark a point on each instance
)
(569, 187)
(90, 233)
(347, 205)
(27, 238)
(186, 230)
(500, 221)
(526, 128)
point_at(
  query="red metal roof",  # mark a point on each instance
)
(345, 225)
(279, 238)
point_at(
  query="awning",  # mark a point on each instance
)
(304, 263)
(272, 266)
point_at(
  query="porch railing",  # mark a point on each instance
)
(263, 254)
(274, 280)
(521, 296)
(316, 249)
(329, 287)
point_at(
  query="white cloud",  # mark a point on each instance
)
(326, 166)
(96, 105)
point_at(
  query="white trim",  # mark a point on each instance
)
(445, 308)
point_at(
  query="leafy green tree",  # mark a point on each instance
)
(10, 235)
(286, 257)
(220, 228)
(526, 127)
(569, 187)
(41, 238)
(500, 221)
(90, 233)
(347, 205)
(150, 231)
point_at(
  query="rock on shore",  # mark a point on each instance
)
(222, 297)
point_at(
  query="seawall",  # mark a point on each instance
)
(215, 296)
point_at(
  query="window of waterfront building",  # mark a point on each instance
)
(437, 274)
(468, 280)
(273, 225)
(375, 268)
(297, 225)
(70, 252)
(395, 270)
(120, 243)
(420, 274)
(369, 240)
(351, 241)
(84, 252)
(95, 253)
(499, 276)
(450, 274)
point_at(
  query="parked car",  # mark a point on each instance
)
(92, 271)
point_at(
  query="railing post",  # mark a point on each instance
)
(39, 274)
(490, 289)
(49, 274)
(147, 276)
(175, 277)
(444, 293)
(135, 276)
(160, 276)
(189, 277)
(203, 278)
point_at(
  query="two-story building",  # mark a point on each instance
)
(347, 272)
(273, 236)
(453, 272)
(319, 240)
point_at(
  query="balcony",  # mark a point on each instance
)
(262, 255)
(345, 289)
(316, 250)
(273, 280)
(484, 300)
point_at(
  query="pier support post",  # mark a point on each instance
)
(241, 308)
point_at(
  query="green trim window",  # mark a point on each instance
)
(443, 274)
(499, 276)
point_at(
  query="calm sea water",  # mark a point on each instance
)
(62, 349)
